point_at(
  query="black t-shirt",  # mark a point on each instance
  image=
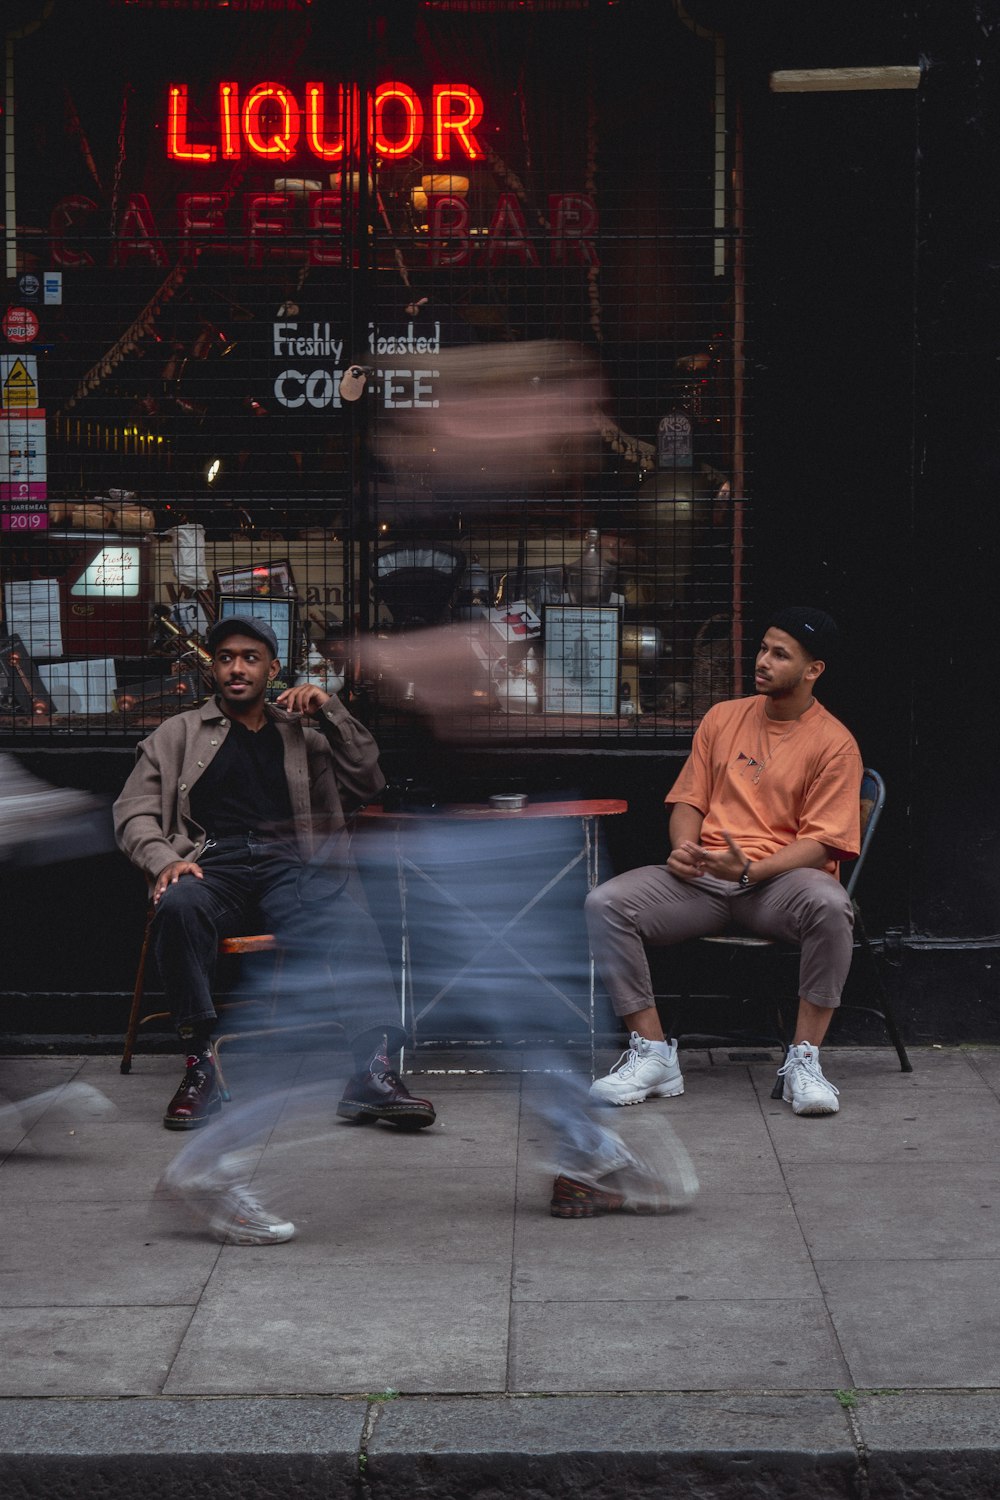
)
(245, 788)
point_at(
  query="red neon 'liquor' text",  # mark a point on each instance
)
(270, 123)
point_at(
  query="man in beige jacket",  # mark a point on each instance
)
(237, 811)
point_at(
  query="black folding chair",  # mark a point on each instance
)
(872, 803)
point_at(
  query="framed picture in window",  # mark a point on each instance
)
(581, 658)
(278, 613)
(269, 580)
(22, 690)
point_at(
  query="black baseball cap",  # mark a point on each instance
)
(242, 625)
(812, 628)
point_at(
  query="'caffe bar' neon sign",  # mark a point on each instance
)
(270, 122)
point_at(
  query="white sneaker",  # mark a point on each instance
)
(239, 1219)
(806, 1090)
(227, 1209)
(648, 1070)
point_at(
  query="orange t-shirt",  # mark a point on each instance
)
(768, 782)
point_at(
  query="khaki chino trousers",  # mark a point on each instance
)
(650, 905)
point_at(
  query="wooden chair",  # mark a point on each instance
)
(230, 947)
(763, 999)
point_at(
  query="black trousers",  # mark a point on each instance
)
(333, 959)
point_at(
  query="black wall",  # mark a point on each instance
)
(832, 183)
(875, 383)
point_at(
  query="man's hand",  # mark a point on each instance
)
(725, 864)
(686, 861)
(689, 861)
(173, 873)
(308, 698)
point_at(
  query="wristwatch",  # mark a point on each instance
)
(745, 876)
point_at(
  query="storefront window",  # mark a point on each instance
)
(425, 318)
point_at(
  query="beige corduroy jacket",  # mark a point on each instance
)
(332, 771)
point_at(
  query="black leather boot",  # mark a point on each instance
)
(378, 1093)
(197, 1098)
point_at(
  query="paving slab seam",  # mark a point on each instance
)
(861, 1447)
(367, 1433)
(807, 1250)
(990, 1084)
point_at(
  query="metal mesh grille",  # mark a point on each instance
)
(524, 224)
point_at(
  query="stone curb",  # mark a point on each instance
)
(722, 1446)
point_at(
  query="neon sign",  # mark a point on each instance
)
(270, 123)
(278, 225)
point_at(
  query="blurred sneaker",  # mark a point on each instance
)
(68, 1103)
(806, 1090)
(39, 823)
(227, 1209)
(648, 1070)
(238, 1218)
(614, 1179)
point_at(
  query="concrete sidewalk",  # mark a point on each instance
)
(823, 1319)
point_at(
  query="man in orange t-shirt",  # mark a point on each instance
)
(765, 808)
